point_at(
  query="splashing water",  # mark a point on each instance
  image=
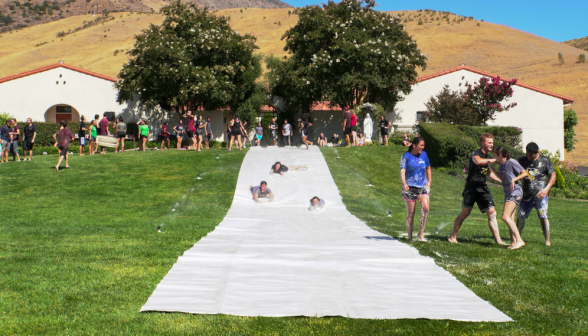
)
(440, 226)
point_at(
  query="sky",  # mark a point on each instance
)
(555, 20)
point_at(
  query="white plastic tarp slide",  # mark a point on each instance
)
(280, 259)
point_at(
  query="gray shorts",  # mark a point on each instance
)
(14, 147)
(5, 145)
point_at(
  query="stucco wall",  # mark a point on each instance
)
(539, 115)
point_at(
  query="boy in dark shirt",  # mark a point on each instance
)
(5, 138)
(536, 188)
(476, 190)
(30, 133)
(82, 134)
(15, 134)
(65, 137)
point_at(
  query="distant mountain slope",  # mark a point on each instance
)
(25, 13)
(447, 40)
(580, 43)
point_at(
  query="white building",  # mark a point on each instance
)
(539, 112)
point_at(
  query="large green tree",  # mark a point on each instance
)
(193, 59)
(347, 53)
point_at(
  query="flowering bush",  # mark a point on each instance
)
(487, 96)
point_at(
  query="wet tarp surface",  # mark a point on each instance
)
(280, 259)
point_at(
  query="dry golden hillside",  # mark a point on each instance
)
(490, 47)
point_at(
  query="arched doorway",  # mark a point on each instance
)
(59, 112)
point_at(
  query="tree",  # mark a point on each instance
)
(570, 121)
(452, 107)
(194, 59)
(487, 96)
(349, 54)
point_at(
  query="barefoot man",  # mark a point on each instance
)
(476, 190)
(535, 190)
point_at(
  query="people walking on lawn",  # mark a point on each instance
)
(104, 131)
(258, 134)
(273, 128)
(510, 172)
(286, 132)
(179, 129)
(164, 135)
(316, 204)
(200, 129)
(415, 174)
(476, 190)
(15, 135)
(30, 133)
(65, 138)
(143, 135)
(384, 130)
(208, 132)
(244, 136)
(121, 134)
(347, 126)
(82, 134)
(97, 120)
(236, 130)
(536, 188)
(261, 192)
(5, 138)
(190, 129)
(93, 135)
(304, 125)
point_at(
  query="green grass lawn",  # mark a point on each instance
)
(78, 254)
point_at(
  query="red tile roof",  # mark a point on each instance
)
(566, 99)
(54, 66)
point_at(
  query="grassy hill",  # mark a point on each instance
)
(447, 40)
(580, 43)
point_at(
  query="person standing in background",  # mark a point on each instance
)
(273, 127)
(93, 135)
(82, 134)
(200, 129)
(287, 132)
(179, 129)
(5, 138)
(65, 138)
(121, 134)
(164, 135)
(347, 126)
(353, 128)
(30, 133)
(97, 123)
(15, 134)
(208, 132)
(104, 131)
(384, 130)
(304, 131)
(258, 134)
(190, 130)
(143, 135)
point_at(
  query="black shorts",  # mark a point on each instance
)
(63, 151)
(384, 132)
(190, 134)
(235, 133)
(208, 137)
(143, 136)
(354, 128)
(28, 145)
(304, 133)
(347, 131)
(481, 196)
(163, 137)
(413, 193)
(121, 135)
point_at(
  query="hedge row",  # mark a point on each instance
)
(451, 146)
(509, 136)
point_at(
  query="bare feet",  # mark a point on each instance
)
(517, 245)
(67, 167)
(422, 239)
(548, 243)
(452, 240)
(57, 168)
(500, 242)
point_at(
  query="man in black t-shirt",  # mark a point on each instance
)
(476, 190)
(384, 130)
(273, 126)
(30, 133)
(536, 188)
(82, 134)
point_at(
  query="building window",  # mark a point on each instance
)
(63, 109)
(420, 116)
(110, 116)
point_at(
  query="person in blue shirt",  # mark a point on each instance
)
(415, 173)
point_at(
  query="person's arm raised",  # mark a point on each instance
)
(481, 162)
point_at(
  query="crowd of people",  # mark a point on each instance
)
(534, 170)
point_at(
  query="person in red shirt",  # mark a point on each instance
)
(354, 140)
(103, 130)
(190, 129)
(164, 135)
(65, 137)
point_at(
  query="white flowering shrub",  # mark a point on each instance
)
(347, 53)
(193, 59)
